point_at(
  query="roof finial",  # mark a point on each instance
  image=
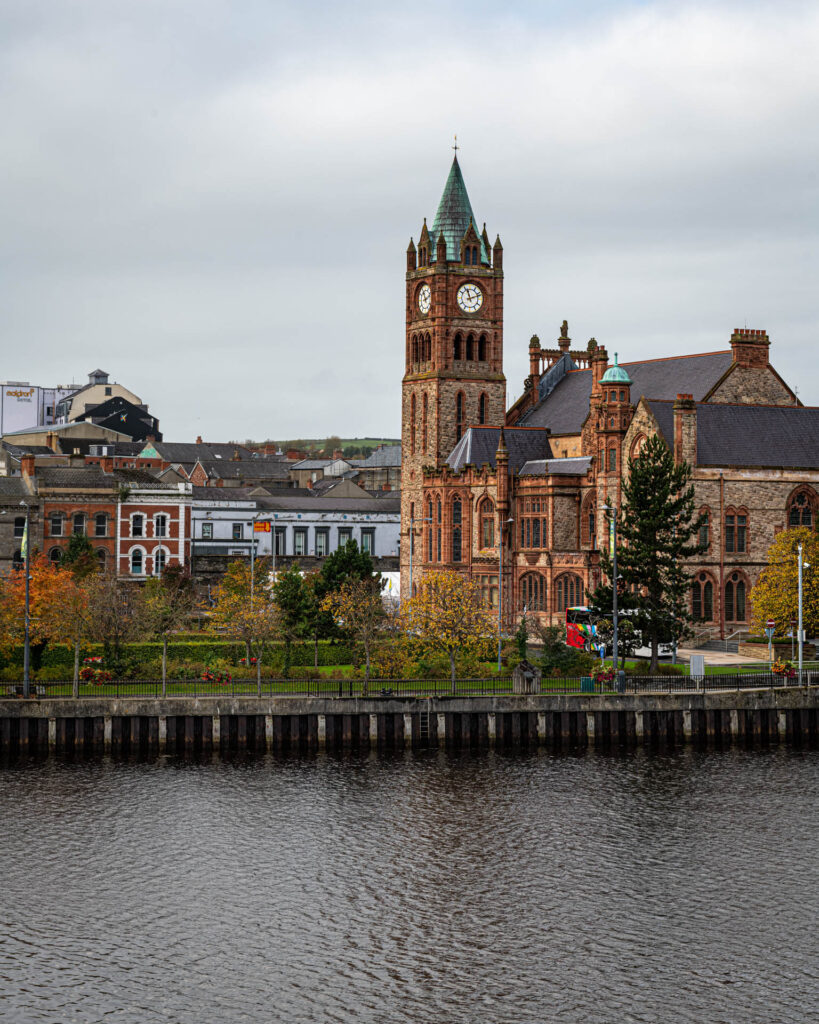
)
(456, 147)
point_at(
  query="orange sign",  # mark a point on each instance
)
(261, 527)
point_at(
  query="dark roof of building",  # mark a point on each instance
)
(453, 216)
(190, 451)
(388, 455)
(246, 469)
(28, 449)
(479, 445)
(92, 477)
(228, 494)
(564, 409)
(314, 463)
(575, 466)
(776, 436)
(12, 487)
(331, 504)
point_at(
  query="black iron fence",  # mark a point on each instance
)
(328, 688)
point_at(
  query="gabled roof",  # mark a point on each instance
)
(453, 216)
(565, 408)
(479, 445)
(190, 451)
(776, 436)
(388, 455)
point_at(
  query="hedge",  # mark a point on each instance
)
(62, 655)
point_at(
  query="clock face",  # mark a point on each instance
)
(424, 298)
(470, 298)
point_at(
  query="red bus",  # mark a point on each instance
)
(579, 628)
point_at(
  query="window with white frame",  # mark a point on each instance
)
(137, 525)
(368, 540)
(300, 541)
(345, 534)
(207, 531)
(161, 525)
(322, 541)
(238, 531)
(137, 562)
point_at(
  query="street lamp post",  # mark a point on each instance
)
(503, 523)
(612, 510)
(27, 640)
(413, 521)
(799, 633)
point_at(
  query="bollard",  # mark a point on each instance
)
(322, 730)
(407, 730)
(268, 732)
(52, 735)
(590, 733)
(107, 731)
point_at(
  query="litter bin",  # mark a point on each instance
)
(586, 684)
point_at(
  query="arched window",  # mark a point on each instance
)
(102, 554)
(470, 347)
(79, 522)
(100, 524)
(160, 525)
(533, 593)
(568, 592)
(800, 510)
(429, 530)
(736, 530)
(482, 409)
(137, 562)
(486, 515)
(412, 425)
(735, 599)
(137, 525)
(588, 530)
(457, 347)
(467, 255)
(704, 538)
(424, 414)
(55, 524)
(474, 255)
(482, 348)
(427, 348)
(55, 556)
(415, 348)
(637, 445)
(612, 468)
(702, 598)
(160, 557)
(457, 515)
(459, 415)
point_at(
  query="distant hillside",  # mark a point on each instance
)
(352, 447)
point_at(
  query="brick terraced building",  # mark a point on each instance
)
(533, 478)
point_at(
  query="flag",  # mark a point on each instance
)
(24, 546)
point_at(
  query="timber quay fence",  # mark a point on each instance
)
(391, 718)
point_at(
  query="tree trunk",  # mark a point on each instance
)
(655, 656)
(165, 666)
(75, 689)
(452, 670)
(247, 653)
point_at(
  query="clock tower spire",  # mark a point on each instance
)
(453, 375)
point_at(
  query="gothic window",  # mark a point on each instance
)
(612, 459)
(424, 423)
(637, 445)
(800, 511)
(568, 592)
(412, 425)
(429, 543)
(482, 348)
(457, 347)
(467, 255)
(535, 533)
(587, 523)
(533, 593)
(482, 409)
(415, 349)
(457, 515)
(470, 347)
(735, 599)
(736, 531)
(474, 255)
(489, 591)
(438, 544)
(459, 415)
(702, 598)
(486, 515)
(705, 529)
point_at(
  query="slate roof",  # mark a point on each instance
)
(783, 436)
(565, 409)
(82, 477)
(389, 455)
(314, 463)
(576, 466)
(28, 449)
(190, 451)
(453, 217)
(330, 504)
(12, 487)
(246, 469)
(479, 445)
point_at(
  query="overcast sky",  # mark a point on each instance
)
(212, 199)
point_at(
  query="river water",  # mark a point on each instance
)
(419, 888)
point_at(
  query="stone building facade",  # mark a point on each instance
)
(528, 487)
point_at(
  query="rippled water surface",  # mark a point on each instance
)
(421, 888)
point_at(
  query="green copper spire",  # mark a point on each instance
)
(453, 216)
(616, 374)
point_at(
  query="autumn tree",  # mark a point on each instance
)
(293, 599)
(248, 613)
(164, 607)
(358, 609)
(447, 615)
(112, 618)
(657, 531)
(776, 594)
(66, 612)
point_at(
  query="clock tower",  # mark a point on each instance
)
(453, 376)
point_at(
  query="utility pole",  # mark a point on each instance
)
(27, 642)
(612, 510)
(799, 633)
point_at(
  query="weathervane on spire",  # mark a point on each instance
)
(456, 147)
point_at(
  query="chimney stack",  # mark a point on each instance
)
(750, 348)
(27, 467)
(685, 429)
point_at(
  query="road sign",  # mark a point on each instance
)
(263, 527)
(769, 632)
(771, 623)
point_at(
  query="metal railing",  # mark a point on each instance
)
(400, 688)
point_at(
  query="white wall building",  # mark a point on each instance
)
(24, 405)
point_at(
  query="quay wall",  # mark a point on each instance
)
(219, 724)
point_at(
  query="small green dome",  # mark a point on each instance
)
(616, 375)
